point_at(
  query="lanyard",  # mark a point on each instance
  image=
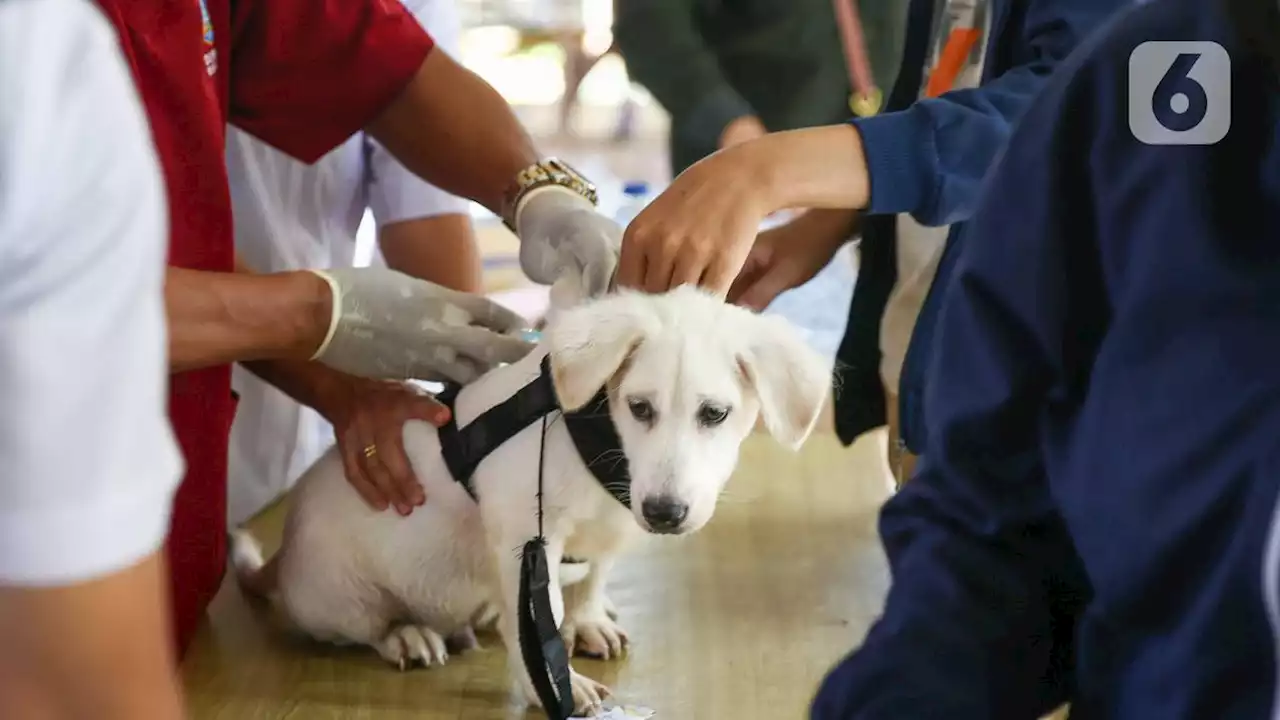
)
(965, 31)
(866, 98)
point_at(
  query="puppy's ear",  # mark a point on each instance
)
(590, 342)
(791, 379)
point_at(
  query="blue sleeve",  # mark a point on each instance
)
(987, 585)
(929, 159)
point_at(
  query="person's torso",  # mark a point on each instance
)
(783, 57)
(291, 215)
(178, 51)
(288, 216)
(957, 25)
(1163, 455)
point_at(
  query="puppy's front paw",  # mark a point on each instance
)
(594, 635)
(407, 645)
(588, 695)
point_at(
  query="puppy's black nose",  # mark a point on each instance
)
(664, 513)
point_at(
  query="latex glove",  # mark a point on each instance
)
(389, 325)
(561, 232)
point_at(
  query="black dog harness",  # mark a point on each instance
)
(597, 443)
(590, 427)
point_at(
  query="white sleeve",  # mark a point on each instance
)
(395, 194)
(88, 462)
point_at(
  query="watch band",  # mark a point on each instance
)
(551, 171)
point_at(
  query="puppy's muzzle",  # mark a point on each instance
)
(664, 514)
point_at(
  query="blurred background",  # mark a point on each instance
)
(555, 62)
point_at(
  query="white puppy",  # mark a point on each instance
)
(687, 377)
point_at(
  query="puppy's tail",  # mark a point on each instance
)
(257, 577)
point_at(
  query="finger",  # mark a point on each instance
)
(765, 289)
(486, 347)
(718, 277)
(426, 408)
(688, 271)
(458, 369)
(372, 463)
(631, 263)
(349, 449)
(395, 461)
(598, 277)
(751, 272)
(490, 314)
(659, 267)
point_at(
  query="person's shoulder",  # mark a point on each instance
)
(45, 48)
(1091, 89)
(51, 26)
(70, 121)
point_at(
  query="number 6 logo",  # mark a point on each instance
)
(1179, 93)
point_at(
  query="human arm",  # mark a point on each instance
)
(440, 248)
(424, 231)
(217, 318)
(364, 414)
(307, 75)
(987, 585)
(927, 160)
(90, 463)
(666, 54)
(453, 130)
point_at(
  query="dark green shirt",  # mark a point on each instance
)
(709, 62)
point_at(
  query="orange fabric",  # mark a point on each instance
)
(959, 44)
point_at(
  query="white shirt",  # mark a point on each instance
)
(88, 463)
(919, 248)
(290, 216)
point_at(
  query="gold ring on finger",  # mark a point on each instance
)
(370, 451)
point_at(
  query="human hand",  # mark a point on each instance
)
(562, 232)
(385, 324)
(368, 418)
(700, 229)
(740, 130)
(790, 255)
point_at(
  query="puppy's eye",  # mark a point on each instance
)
(642, 410)
(712, 415)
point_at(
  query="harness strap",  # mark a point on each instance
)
(590, 428)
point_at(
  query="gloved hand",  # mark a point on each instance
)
(562, 232)
(389, 325)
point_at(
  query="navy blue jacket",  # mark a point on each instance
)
(928, 158)
(1097, 518)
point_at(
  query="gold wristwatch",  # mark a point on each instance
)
(550, 171)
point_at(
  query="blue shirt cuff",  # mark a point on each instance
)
(898, 147)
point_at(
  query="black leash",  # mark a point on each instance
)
(545, 656)
(597, 443)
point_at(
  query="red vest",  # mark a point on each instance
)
(303, 75)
